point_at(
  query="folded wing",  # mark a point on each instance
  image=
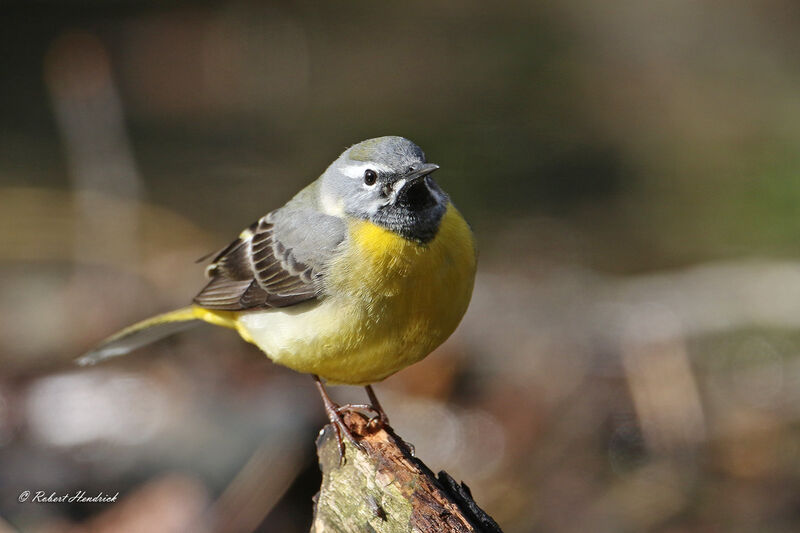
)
(278, 261)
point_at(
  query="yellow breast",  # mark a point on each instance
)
(408, 281)
(391, 302)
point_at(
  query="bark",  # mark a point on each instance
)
(385, 489)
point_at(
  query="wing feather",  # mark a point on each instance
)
(261, 270)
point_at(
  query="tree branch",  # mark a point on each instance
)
(385, 489)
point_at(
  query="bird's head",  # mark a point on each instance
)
(387, 181)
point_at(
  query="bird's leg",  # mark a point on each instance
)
(333, 412)
(376, 406)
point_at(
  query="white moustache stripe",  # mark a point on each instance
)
(395, 190)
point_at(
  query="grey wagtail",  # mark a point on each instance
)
(364, 272)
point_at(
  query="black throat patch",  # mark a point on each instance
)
(415, 215)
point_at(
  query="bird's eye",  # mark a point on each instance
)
(370, 177)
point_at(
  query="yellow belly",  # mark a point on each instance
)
(390, 303)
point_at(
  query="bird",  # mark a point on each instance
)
(362, 273)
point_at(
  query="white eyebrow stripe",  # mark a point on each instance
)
(356, 170)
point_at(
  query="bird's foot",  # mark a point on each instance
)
(379, 420)
(358, 407)
(334, 413)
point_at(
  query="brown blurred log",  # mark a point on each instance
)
(385, 489)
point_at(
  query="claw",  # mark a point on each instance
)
(357, 407)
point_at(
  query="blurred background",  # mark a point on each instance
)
(631, 358)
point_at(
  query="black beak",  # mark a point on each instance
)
(421, 172)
